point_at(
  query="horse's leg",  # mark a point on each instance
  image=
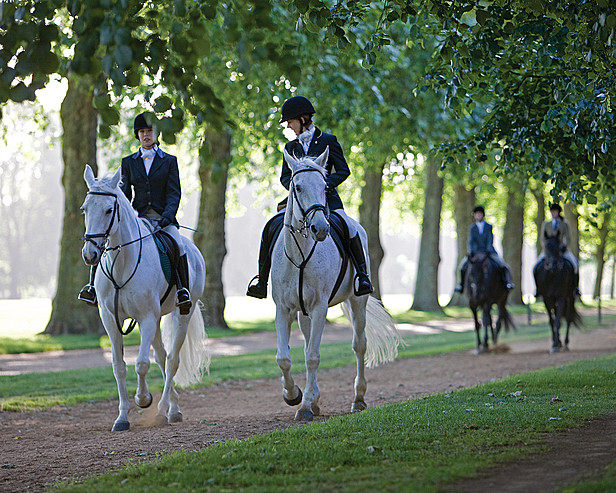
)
(165, 405)
(304, 325)
(558, 315)
(499, 320)
(119, 370)
(148, 326)
(477, 329)
(311, 391)
(487, 324)
(291, 393)
(358, 317)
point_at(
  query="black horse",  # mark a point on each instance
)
(554, 277)
(484, 287)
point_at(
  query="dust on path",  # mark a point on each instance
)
(74, 359)
(72, 442)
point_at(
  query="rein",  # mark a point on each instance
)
(306, 215)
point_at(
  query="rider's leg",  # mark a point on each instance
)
(462, 268)
(259, 289)
(182, 296)
(539, 260)
(87, 293)
(505, 270)
(576, 271)
(358, 257)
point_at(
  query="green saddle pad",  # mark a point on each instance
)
(165, 263)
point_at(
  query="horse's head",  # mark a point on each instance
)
(101, 213)
(478, 274)
(307, 194)
(552, 252)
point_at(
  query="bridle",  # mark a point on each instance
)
(116, 211)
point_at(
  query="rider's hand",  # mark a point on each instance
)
(164, 222)
(563, 249)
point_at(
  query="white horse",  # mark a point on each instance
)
(306, 242)
(121, 241)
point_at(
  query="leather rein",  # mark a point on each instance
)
(303, 230)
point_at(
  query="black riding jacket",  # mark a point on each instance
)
(159, 189)
(336, 162)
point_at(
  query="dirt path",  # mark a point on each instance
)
(16, 364)
(580, 453)
(38, 448)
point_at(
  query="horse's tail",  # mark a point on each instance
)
(572, 315)
(194, 352)
(382, 335)
(506, 318)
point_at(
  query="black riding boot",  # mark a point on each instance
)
(87, 293)
(507, 279)
(460, 287)
(576, 281)
(270, 232)
(182, 296)
(364, 286)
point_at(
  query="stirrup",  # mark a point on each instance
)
(366, 288)
(88, 295)
(257, 290)
(183, 301)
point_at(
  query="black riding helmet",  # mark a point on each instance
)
(295, 107)
(479, 208)
(141, 122)
(556, 207)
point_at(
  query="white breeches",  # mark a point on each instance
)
(568, 255)
(172, 230)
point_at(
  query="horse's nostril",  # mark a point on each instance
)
(313, 228)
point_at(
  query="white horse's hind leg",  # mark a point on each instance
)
(166, 404)
(311, 391)
(119, 370)
(290, 392)
(357, 309)
(148, 327)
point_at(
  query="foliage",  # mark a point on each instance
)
(416, 445)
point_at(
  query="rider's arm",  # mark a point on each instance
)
(471, 241)
(544, 236)
(125, 185)
(174, 192)
(285, 177)
(565, 237)
(339, 165)
(490, 248)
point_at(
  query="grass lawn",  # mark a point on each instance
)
(411, 446)
(44, 390)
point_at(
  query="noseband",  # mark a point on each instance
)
(116, 211)
(306, 213)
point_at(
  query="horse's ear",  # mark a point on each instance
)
(322, 159)
(115, 179)
(88, 176)
(290, 160)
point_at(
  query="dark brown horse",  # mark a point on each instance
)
(484, 287)
(554, 277)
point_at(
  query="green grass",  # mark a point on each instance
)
(602, 483)
(411, 446)
(44, 390)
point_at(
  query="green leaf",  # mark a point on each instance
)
(123, 56)
(481, 16)
(47, 62)
(162, 104)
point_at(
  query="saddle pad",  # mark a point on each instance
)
(168, 252)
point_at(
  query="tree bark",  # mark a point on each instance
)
(369, 217)
(464, 202)
(513, 239)
(604, 231)
(426, 284)
(214, 160)
(613, 276)
(79, 122)
(572, 216)
(540, 217)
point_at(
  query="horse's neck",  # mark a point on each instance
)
(127, 233)
(290, 243)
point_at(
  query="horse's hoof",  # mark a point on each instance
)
(176, 417)
(358, 406)
(304, 415)
(554, 350)
(315, 409)
(481, 349)
(160, 420)
(144, 402)
(297, 400)
(566, 348)
(121, 426)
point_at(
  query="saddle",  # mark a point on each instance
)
(169, 255)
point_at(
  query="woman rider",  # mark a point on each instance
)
(154, 176)
(311, 141)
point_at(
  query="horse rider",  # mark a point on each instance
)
(558, 227)
(311, 141)
(481, 240)
(154, 177)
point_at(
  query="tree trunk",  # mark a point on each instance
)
(69, 315)
(571, 216)
(214, 159)
(613, 276)
(369, 217)
(540, 217)
(513, 239)
(426, 284)
(600, 252)
(464, 202)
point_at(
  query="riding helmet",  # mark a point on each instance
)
(295, 107)
(479, 208)
(140, 124)
(556, 207)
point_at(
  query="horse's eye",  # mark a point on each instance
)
(109, 211)
(298, 188)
